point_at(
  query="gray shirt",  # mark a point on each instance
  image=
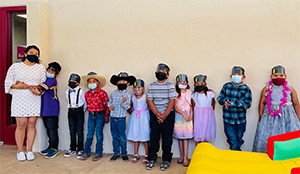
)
(161, 93)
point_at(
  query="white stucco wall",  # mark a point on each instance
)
(192, 37)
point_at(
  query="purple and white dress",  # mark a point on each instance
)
(204, 117)
(138, 128)
(182, 128)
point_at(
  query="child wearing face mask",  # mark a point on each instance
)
(236, 98)
(161, 98)
(76, 107)
(118, 105)
(50, 108)
(203, 102)
(138, 129)
(183, 127)
(96, 100)
(279, 110)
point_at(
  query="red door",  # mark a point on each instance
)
(11, 35)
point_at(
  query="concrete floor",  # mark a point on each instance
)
(59, 164)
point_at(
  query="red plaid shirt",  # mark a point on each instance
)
(97, 101)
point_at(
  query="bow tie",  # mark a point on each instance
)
(72, 90)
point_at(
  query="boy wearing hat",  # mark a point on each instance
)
(50, 108)
(161, 99)
(118, 104)
(76, 107)
(236, 98)
(96, 100)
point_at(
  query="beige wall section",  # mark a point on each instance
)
(192, 37)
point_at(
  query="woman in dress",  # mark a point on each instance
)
(25, 105)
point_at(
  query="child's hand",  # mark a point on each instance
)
(17, 82)
(34, 90)
(227, 103)
(190, 117)
(123, 99)
(111, 108)
(106, 119)
(186, 117)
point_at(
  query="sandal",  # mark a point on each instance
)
(135, 158)
(186, 164)
(179, 162)
(145, 160)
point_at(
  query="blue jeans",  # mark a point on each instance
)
(234, 134)
(95, 121)
(117, 128)
(51, 124)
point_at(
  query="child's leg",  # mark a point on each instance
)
(232, 137)
(167, 136)
(72, 128)
(100, 121)
(241, 128)
(146, 145)
(80, 126)
(52, 124)
(186, 148)
(114, 134)
(90, 134)
(154, 137)
(122, 135)
(136, 147)
(180, 142)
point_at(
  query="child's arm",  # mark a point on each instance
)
(131, 107)
(213, 103)
(126, 104)
(192, 109)
(180, 112)
(191, 112)
(262, 102)
(105, 101)
(110, 102)
(152, 107)
(295, 102)
(222, 97)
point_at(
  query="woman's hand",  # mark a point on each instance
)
(19, 85)
(34, 90)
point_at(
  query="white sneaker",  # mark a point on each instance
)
(30, 156)
(21, 156)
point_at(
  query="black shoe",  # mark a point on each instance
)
(125, 158)
(113, 158)
(150, 164)
(165, 165)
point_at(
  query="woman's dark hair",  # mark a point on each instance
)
(178, 89)
(28, 48)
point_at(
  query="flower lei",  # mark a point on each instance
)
(283, 100)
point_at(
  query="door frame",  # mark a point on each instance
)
(7, 131)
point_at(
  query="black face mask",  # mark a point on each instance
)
(72, 85)
(200, 88)
(122, 86)
(32, 58)
(160, 75)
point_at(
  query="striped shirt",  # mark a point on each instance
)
(240, 98)
(120, 107)
(161, 93)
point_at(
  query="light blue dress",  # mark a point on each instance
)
(268, 126)
(138, 128)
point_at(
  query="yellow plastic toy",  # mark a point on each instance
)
(209, 159)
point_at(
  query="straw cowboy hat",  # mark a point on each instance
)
(94, 75)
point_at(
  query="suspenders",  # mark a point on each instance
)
(76, 98)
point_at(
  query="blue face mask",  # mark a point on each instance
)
(236, 79)
(92, 86)
(49, 76)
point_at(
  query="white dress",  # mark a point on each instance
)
(24, 103)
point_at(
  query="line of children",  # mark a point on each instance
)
(193, 117)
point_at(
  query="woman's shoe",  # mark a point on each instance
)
(21, 156)
(30, 156)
